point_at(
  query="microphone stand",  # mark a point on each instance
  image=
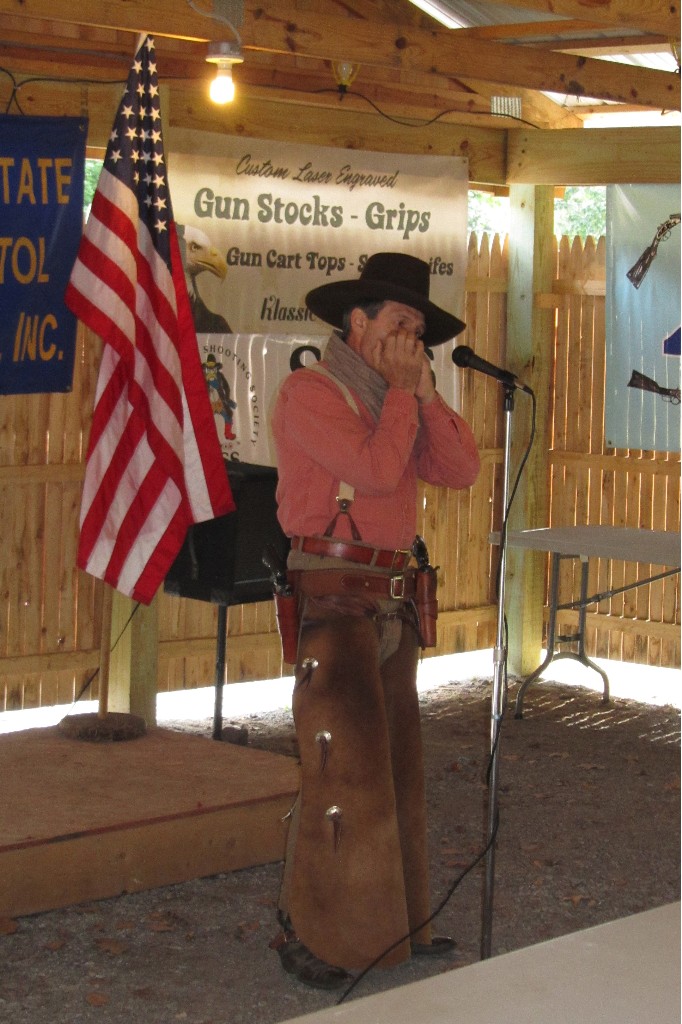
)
(497, 707)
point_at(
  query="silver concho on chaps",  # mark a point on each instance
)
(356, 873)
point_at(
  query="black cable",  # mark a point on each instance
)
(448, 895)
(517, 480)
(340, 91)
(16, 86)
(13, 94)
(494, 746)
(415, 122)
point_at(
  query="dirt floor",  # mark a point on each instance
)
(589, 800)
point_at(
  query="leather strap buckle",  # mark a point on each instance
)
(400, 559)
(397, 586)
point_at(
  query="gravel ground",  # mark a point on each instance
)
(589, 811)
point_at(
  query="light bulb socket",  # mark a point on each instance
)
(224, 53)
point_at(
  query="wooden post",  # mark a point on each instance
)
(134, 660)
(530, 339)
(105, 651)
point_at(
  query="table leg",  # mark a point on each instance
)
(552, 639)
(581, 656)
(551, 633)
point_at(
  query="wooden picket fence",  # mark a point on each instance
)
(592, 484)
(50, 612)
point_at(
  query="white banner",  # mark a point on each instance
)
(243, 372)
(643, 317)
(262, 223)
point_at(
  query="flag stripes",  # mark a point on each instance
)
(154, 464)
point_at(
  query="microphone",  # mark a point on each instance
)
(465, 356)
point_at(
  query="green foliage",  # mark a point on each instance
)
(582, 211)
(488, 213)
(92, 169)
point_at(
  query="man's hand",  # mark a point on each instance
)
(426, 388)
(399, 359)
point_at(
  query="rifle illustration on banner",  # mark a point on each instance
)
(638, 272)
(643, 383)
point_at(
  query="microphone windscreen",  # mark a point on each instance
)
(462, 355)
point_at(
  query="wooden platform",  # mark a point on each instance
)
(82, 821)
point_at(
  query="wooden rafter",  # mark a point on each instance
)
(406, 67)
(659, 16)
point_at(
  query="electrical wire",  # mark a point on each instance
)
(494, 745)
(17, 86)
(216, 17)
(340, 91)
(416, 122)
(411, 123)
(458, 880)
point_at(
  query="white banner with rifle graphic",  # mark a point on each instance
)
(642, 403)
(262, 223)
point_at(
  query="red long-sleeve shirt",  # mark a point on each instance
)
(321, 441)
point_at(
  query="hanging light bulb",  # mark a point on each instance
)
(344, 73)
(221, 89)
(224, 55)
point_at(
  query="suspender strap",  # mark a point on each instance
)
(346, 494)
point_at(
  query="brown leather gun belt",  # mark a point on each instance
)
(323, 582)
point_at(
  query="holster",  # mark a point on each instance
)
(426, 604)
(286, 612)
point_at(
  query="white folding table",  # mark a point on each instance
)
(653, 547)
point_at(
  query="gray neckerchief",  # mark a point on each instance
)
(354, 372)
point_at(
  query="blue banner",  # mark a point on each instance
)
(42, 166)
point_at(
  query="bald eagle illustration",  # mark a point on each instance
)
(199, 255)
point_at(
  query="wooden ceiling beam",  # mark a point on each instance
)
(444, 52)
(298, 33)
(600, 156)
(412, 96)
(659, 16)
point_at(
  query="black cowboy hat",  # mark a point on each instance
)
(387, 277)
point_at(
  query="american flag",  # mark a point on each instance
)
(154, 464)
